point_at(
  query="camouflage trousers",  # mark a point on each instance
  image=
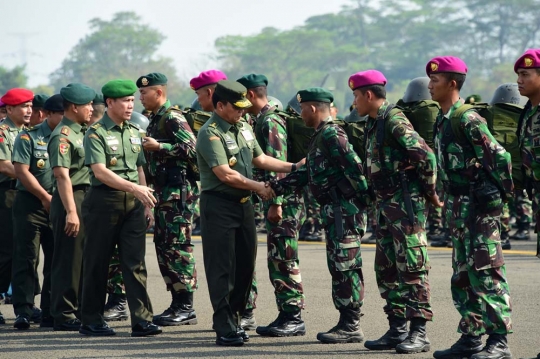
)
(283, 261)
(524, 211)
(115, 281)
(253, 293)
(401, 260)
(505, 218)
(343, 255)
(172, 239)
(435, 214)
(536, 207)
(479, 287)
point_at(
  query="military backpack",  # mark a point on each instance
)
(422, 116)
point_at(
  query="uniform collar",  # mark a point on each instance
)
(324, 122)
(460, 102)
(10, 123)
(44, 128)
(71, 124)
(383, 108)
(225, 126)
(163, 108)
(108, 123)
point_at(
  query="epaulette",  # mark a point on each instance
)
(213, 125)
(30, 129)
(65, 130)
(95, 126)
(4, 127)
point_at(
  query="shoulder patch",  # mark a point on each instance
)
(95, 126)
(93, 135)
(63, 139)
(213, 138)
(25, 137)
(63, 148)
(65, 131)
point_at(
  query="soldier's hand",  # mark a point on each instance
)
(72, 224)
(275, 213)
(265, 192)
(301, 163)
(46, 202)
(149, 217)
(434, 200)
(150, 144)
(144, 194)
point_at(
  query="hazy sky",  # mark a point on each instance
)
(42, 32)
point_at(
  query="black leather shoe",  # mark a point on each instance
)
(71, 325)
(46, 322)
(36, 315)
(97, 330)
(144, 329)
(180, 312)
(241, 332)
(506, 244)
(2, 320)
(465, 347)
(22, 322)
(232, 339)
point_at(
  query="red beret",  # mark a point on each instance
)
(206, 78)
(529, 60)
(446, 64)
(17, 96)
(366, 78)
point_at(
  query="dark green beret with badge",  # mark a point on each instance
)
(98, 100)
(152, 79)
(55, 103)
(118, 88)
(253, 80)
(77, 94)
(315, 94)
(39, 101)
(233, 92)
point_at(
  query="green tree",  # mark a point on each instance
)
(11, 78)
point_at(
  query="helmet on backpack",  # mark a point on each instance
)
(140, 120)
(294, 106)
(506, 93)
(354, 117)
(417, 90)
(275, 102)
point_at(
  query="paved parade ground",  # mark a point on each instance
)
(198, 341)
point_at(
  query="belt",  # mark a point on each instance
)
(81, 187)
(105, 187)
(393, 181)
(8, 184)
(228, 197)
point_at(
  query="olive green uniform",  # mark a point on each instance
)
(227, 219)
(31, 224)
(66, 150)
(114, 217)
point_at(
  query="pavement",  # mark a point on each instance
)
(198, 341)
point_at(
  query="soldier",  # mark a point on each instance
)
(18, 106)
(170, 164)
(402, 170)
(38, 112)
(226, 151)
(476, 172)
(31, 223)
(284, 216)
(527, 68)
(116, 211)
(331, 165)
(66, 153)
(334, 111)
(3, 112)
(98, 106)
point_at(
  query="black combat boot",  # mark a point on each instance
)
(347, 329)
(394, 336)
(247, 321)
(521, 234)
(180, 312)
(2, 320)
(436, 234)
(115, 308)
(417, 340)
(466, 346)
(496, 348)
(264, 330)
(291, 325)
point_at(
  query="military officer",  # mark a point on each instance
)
(66, 153)
(170, 165)
(284, 216)
(18, 106)
(226, 151)
(38, 112)
(476, 172)
(116, 210)
(335, 175)
(31, 207)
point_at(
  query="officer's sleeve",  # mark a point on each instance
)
(419, 153)
(60, 151)
(5, 152)
(183, 145)
(343, 155)
(94, 149)
(141, 160)
(22, 149)
(210, 147)
(275, 145)
(494, 158)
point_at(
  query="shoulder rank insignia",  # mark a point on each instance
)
(25, 137)
(95, 126)
(213, 124)
(4, 127)
(65, 131)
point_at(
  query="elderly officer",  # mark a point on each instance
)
(114, 212)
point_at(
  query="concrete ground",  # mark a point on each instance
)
(319, 315)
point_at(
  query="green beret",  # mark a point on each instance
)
(98, 100)
(118, 88)
(152, 79)
(315, 94)
(77, 94)
(39, 100)
(233, 92)
(253, 80)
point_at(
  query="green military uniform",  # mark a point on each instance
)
(114, 217)
(31, 224)
(227, 219)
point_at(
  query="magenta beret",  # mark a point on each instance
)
(446, 64)
(366, 78)
(206, 78)
(529, 60)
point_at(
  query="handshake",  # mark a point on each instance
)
(269, 190)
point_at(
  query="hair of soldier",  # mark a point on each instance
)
(216, 98)
(322, 106)
(260, 91)
(378, 90)
(99, 110)
(66, 104)
(458, 78)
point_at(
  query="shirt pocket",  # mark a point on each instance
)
(455, 157)
(41, 160)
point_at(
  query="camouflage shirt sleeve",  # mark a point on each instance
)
(419, 154)
(177, 128)
(275, 145)
(292, 181)
(492, 156)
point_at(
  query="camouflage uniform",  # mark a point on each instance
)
(282, 237)
(322, 173)
(529, 141)
(172, 232)
(115, 282)
(479, 287)
(401, 258)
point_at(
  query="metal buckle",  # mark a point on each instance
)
(245, 199)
